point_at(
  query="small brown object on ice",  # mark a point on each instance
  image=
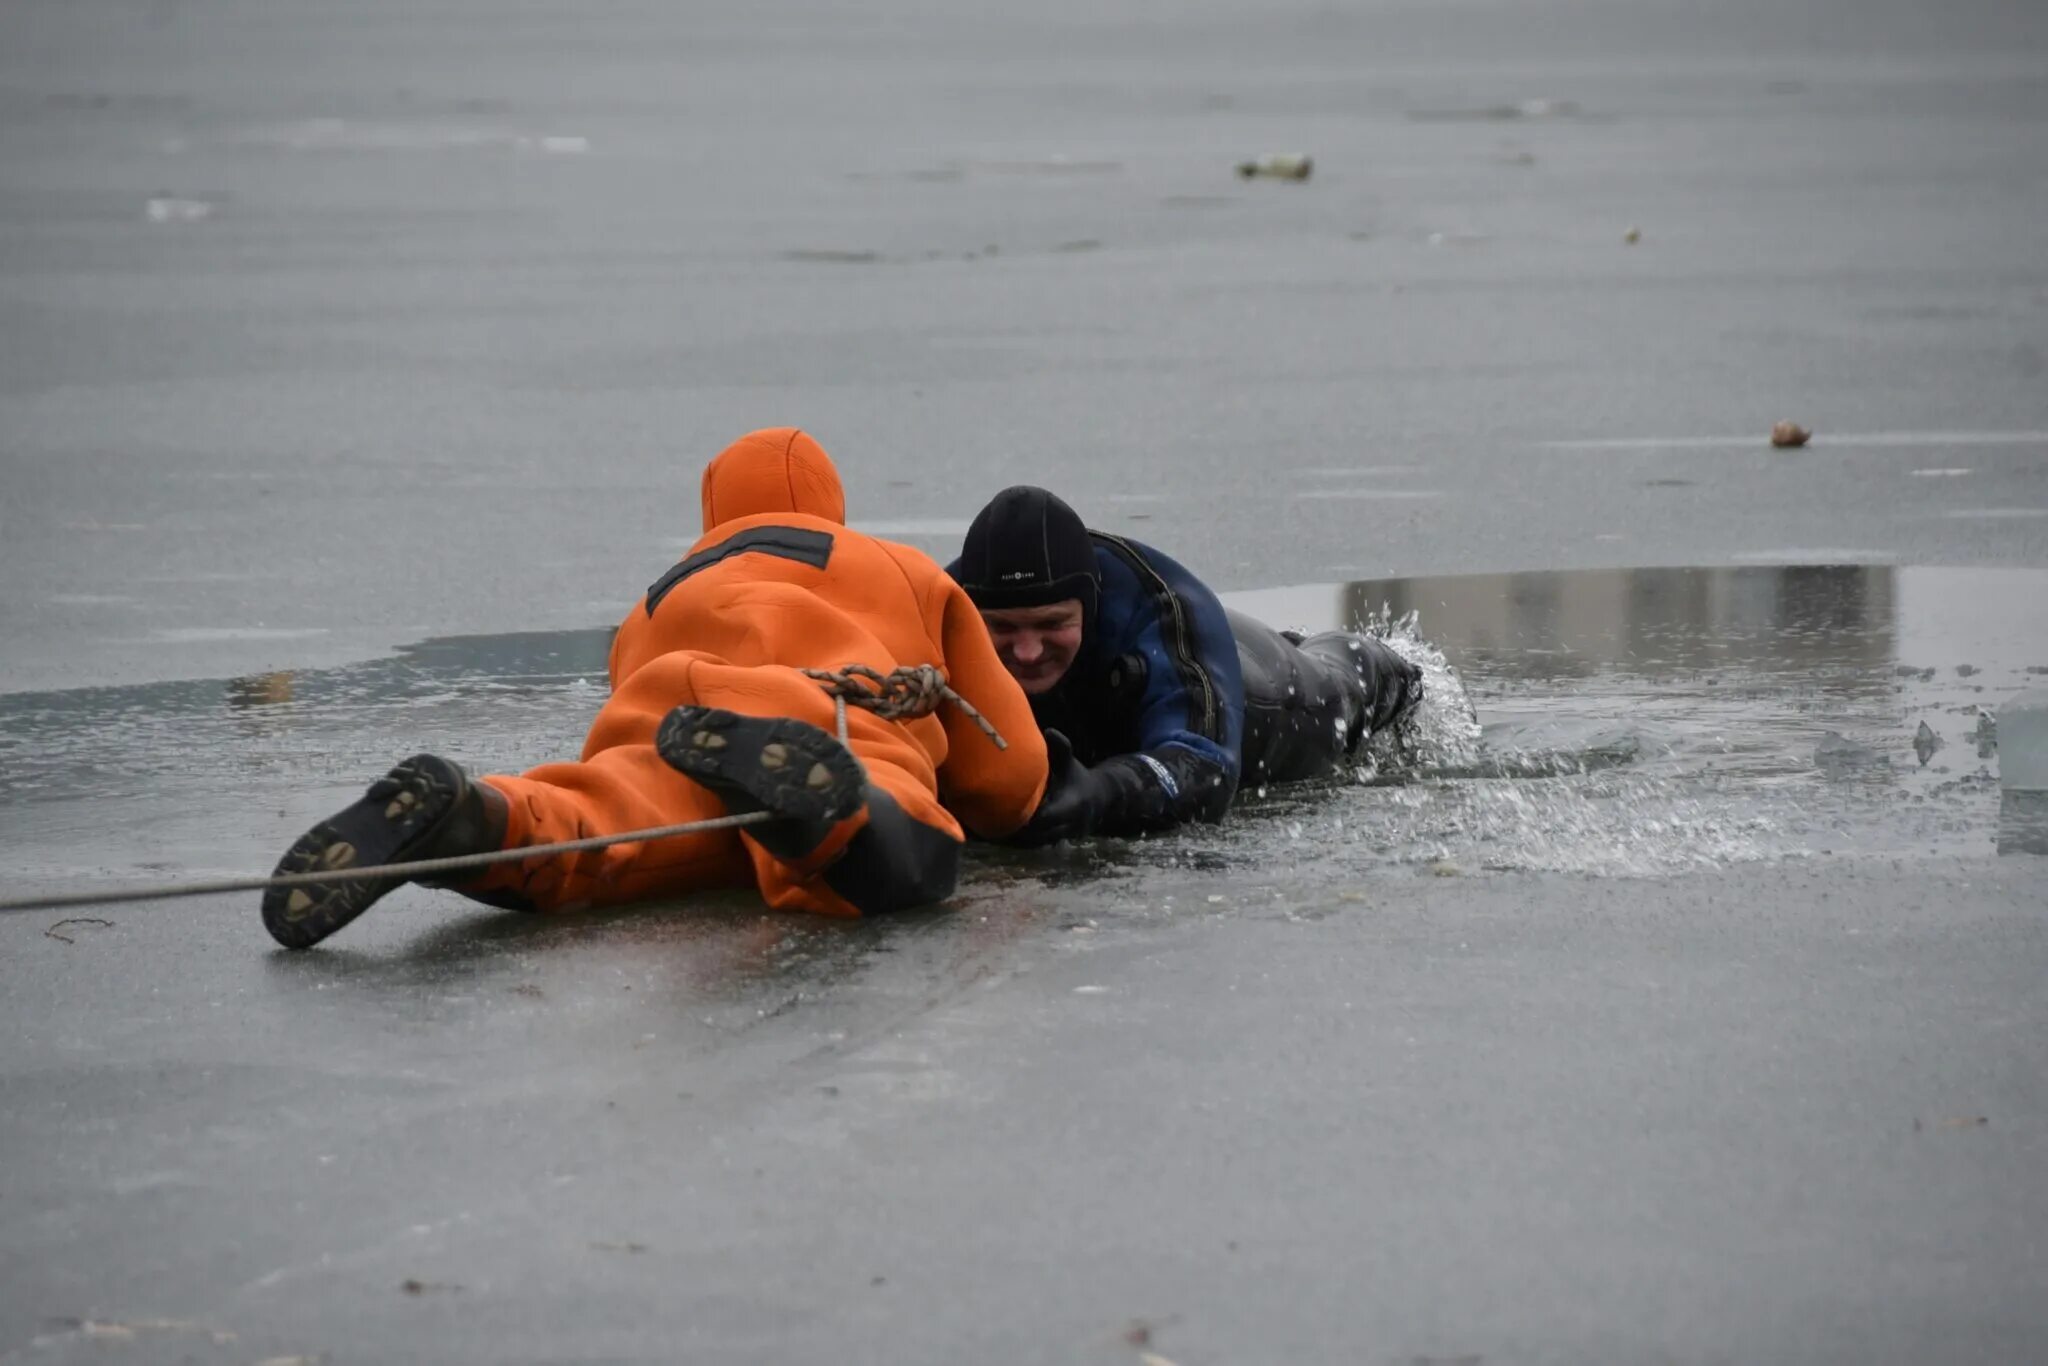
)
(1632, 236)
(1280, 166)
(1787, 434)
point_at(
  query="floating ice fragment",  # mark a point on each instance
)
(1925, 742)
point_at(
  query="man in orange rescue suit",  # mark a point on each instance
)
(710, 714)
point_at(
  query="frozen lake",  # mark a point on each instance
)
(357, 365)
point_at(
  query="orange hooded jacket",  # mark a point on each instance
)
(779, 580)
(777, 584)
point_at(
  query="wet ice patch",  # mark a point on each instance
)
(1637, 723)
(1366, 495)
(177, 209)
(1839, 757)
(1610, 825)
(200, 635)
(1059, 163)
(1536, 110)
(913, 526)
(839, 256)
(1815, 555)
(1841, 439)
(1356, 471)
(355, 135)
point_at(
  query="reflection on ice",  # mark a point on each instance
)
(1554, 624)
(2022, 822)
(1643, 721)
(2021, 736)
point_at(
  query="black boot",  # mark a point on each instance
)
(1389, 687)
(424, 808)
(1396, 684)
(896, 862)
(767, 763)
(892, 863)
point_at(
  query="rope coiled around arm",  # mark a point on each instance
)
(911, 691)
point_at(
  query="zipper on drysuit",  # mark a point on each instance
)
(1182, 648)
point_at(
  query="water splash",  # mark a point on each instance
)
(1443, 730)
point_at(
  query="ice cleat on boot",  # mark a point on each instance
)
(767, 763)
(426, 807)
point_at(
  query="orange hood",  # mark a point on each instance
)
(777, 469)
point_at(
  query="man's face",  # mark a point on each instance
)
(1037, 644)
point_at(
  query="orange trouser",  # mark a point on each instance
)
(622, 784)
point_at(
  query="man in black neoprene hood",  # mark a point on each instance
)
(1155, 699)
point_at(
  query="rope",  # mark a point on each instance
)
(402, 871)
(913, 691)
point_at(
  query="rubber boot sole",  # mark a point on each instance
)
(392, 822)
(764, 763)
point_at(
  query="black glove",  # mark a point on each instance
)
(1076, 797)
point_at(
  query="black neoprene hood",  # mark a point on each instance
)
(1027, 548)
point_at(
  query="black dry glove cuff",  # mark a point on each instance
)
(1144, 794)
(1128, 794)
(1076, 797)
